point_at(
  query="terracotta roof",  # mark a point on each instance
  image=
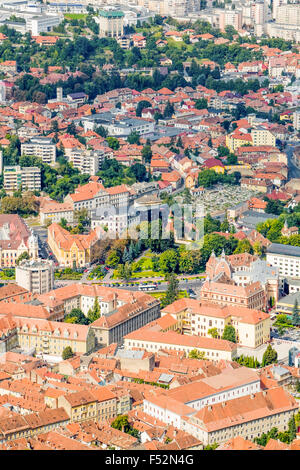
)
(245, 409)
(170, 337)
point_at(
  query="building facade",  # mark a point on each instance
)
(36, 276)
(16, 178)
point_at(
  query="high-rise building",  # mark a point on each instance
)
(288, 14)
(110, 23)
(296, 120)
(36, 276)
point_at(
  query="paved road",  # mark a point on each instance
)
(190, 284)
(294, 171)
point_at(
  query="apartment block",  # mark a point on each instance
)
(27, 178)
(41, 147)
(121, 311)
(36, 276)
(296, 120)
(261, 136)
(90, 404)
(111, 23)
(288, 14)
(87, 161)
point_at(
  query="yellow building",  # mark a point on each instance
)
(50, 337)
(252, 326)
(71, 250)
(214, 164)
(238, 139)
(100, 404)
(79, 406)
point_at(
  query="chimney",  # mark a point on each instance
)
(209, 408)
(252, 395)
(223, 404)
(264, 393)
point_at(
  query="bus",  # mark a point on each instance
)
(148, 287)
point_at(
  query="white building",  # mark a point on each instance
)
(41, 147)
(230, 384)
(42, 24)
(35, 275)
(27, 178)
(286, 258)
(296, 120)
(87, 161)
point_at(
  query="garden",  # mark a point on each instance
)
(68, 274)
(8, 274)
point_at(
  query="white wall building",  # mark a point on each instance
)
(35, 275)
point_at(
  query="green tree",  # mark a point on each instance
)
(213, 332)
(138, 171)
(295, 314)
(187, 197)
(146, 153)
(100, 130)
(67, 353)
(169, 261)
(292, 429)
(142, 105)
(121, 423)
(113, 143)
(172, 290)
(213, 446)
(94, 314)
(169, 110)
(274, 207)
(113, 258)
(22, 256)
(244, 246)
(269, 357)
(76, 316)
(201, 103)
(133, 138)
(229, 333)
(125, 271)
(195, 354)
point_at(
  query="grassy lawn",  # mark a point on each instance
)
(66, 276)
(144, 268)
(161, 295)
(180, 44)
(75, 16)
